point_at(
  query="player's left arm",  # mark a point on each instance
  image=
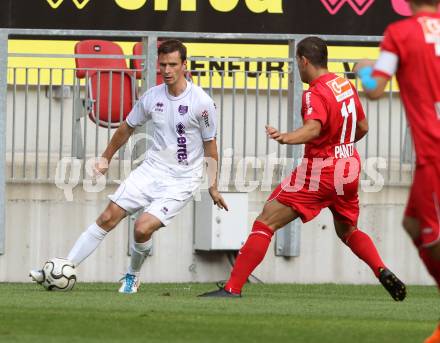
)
(374, 75)
(309, 131)
(207, 118)
(373, 84)
(211, 156)
(361, 129)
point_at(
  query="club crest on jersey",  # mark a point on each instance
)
(341, 88)
(183, 110)
(159, 107)
(182, 151)
(205, 116)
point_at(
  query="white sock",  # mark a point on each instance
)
(86, 244)
(139, 252)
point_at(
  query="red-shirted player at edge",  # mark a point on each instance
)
(411, 50)
(328, 176)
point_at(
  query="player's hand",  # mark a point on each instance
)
(362, 64)
(275, 134)
(101, 166)
(218, 199)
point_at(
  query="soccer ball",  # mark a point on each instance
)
(59, 275)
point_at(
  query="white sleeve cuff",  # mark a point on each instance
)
(127, 120)
(208, 139)
(387, 63)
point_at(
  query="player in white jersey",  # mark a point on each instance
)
(184, 132)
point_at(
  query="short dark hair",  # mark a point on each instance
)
(315, 50)
(172, 45)
(425, 2)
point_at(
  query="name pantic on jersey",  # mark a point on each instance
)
(180, 125)
(334, 102)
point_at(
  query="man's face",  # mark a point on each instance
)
(171, 67)
(302, 68)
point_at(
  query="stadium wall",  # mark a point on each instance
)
(41, 223)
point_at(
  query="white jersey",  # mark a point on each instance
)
(180, 126)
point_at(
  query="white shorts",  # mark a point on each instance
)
(161, 195)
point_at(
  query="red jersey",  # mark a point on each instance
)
(333, 101)
(413, 46)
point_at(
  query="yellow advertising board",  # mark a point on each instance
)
(238, 66)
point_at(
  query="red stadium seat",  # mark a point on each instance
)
(111, 88)
(138, 64)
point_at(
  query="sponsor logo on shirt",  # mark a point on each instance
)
(309, 103)
(341, 88)
(158, 107)
(164, 210)
(205, 116)
(183, 110)
(182, 152)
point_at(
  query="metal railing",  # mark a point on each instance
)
(44, 122)
(48, 120)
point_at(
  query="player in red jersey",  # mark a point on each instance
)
(328, 176)
(411, 50)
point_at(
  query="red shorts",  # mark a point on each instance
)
(308, 198)
(424, 203)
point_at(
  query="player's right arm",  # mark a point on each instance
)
(306, 133)
(314, 111)
(119, 138)
(137, 117)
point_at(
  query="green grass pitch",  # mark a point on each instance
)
(171, 313)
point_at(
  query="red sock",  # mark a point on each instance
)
(249, 256)
(363, 247)
(431, 264)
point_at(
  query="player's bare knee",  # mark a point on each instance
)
(142, 235)
(342, 235)
(266, 220)
(107, 220)
(344, 231)
(405, 224)
(276, 215)
(144, 229)
(434, 251)
(411, 226)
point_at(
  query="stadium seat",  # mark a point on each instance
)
(111, 89)
(139, 64)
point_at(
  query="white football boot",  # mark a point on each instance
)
(37, 275)
(130, 284)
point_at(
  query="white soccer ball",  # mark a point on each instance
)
(59, 275)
